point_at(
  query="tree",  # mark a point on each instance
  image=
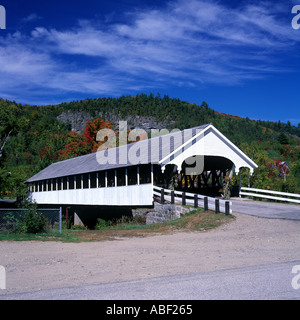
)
(282, 138)
(12, 181)
(80, 144)
(91, 130)
(11, 120)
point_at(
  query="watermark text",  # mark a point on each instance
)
(296, 278)
(2, 17)
(165, 147)
(296, 19)
(2, 278)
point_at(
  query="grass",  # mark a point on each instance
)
(65, 237)
(196, 220)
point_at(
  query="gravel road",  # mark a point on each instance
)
(247, 241)
(264, 282)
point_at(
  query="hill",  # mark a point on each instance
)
(32, 137)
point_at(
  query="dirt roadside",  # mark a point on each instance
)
(246, 241)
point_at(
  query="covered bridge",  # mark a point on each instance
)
(194, 159)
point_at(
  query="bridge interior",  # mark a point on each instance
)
(207, 182)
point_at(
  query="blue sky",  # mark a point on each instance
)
(241, 57)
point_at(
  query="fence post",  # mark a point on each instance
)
(195, 201)
(162, 196)
(227, 208)
(205, 204)
(60, 220)
(172, 197)
(67, 217)
(217, 205)
(183, 199)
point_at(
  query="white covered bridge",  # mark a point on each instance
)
(194, 160)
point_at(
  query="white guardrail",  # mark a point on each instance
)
(269, 194)
(217, 205)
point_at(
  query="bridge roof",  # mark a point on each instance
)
(142, 152)
(161, 149)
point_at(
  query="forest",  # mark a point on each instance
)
(33, 137)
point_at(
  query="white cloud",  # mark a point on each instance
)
(31, 17)
(190, 42)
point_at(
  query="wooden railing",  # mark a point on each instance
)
(269, 194)
(197, 200)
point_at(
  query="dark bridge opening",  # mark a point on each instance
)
(208, 182)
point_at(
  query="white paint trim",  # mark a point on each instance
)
(182, 146)
(268, 197)
(152, 173)
(211, 142)
(272, 192)
(126, 177)
(253, 164)
(133, 195)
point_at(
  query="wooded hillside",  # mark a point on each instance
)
(32, 137)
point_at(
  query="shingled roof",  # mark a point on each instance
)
(147, 151)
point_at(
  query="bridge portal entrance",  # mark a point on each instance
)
(207, 182)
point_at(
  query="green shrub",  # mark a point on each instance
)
(102, 224)
(16, 223)
(78, 227)
(30, 222)
(34, 222)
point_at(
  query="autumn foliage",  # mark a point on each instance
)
(74, 144)
(91, 130)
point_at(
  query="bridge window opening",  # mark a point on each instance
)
(58, 183)
(64, 183)
(53, 184)
(121, 176)
(93, 180)
(110, 178)
(101, 179)
(71, 182)
(85, 178)
(145, 174)
(132, 175)
(77, 181)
